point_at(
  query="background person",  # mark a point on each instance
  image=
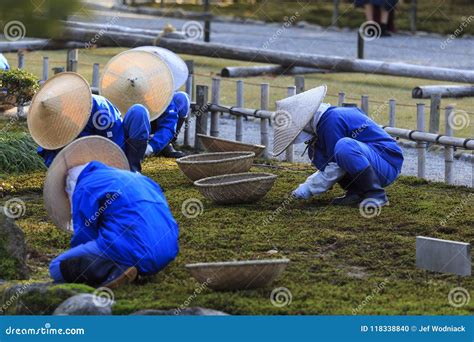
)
(384, 9)
(4, 63)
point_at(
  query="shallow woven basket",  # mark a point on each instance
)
(204, 165)
(213, 144)
(236, 188)
(238, 275)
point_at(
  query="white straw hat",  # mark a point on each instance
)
(176, 64)
(60, 110)
(138, 77)
(79, 152)
(293, 114)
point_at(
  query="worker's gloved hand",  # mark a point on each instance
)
(302, 192)
(149, 151)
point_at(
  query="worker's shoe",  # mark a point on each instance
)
(170, 152)
(96, 272)
(370, 188)
(351, 196)
(385, 32)
(135, 152)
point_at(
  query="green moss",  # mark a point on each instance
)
(337, 257)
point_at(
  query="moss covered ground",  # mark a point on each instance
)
(341, 262)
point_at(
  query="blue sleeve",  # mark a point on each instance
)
(330, 131)
(182, 102)
(85, 209)
(166, 130)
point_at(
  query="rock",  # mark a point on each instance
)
(84, 304)
(196, 311)
(12, 246)
(36, 298)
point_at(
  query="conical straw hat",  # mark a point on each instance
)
(60, 110)
(141, 77)
(178, 67)
(79, 152)
(293, 114)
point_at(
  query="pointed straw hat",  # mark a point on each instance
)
(142, 77)
(293, 114)
(60, 110)
(79, 152)
(178, 67)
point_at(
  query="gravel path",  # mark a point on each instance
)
(464, 173)
(419, 49)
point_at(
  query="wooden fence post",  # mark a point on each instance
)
(207, 22)
(364, 104)
(215, 96)
(413, 16)
(202, 93)
(264, 104)
(335, 13)
(449, 150)
(289, 153)
(45, 69)
(239, 123)
(189, 91)
(21, 59)
(95, 75)
(435, 113)
(299, 83)
(71, 55)
(391, 113)
(421, 145)
(360, 45)
(341, 98)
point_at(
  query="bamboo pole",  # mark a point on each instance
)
(95, 75)
(449, 150)
(391, 113)
(434, 113)
(299, 84)
(421, 145)
(21, 59)
(45, 68)
(364, 104)
(202, 93)
(239, 124)
(264, 104)
(189, 91)
(341, 98)
(215, 99)
(289, 152)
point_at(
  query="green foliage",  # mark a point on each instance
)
(18, 153)
(36, 18)
(19, 83)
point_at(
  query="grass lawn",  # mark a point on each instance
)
(441, 16)
(379, 88)
(338, 258)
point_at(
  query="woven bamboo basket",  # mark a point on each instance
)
(236, 188)
(214, 144)
(238, 275)
(204, 165)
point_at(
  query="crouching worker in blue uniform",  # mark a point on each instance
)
(64, 109)
(122, 225)
(166, 128)
(344, 144)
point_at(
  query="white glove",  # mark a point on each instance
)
(149, 150)
(302, 192)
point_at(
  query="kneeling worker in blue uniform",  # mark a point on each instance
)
(166, 128)
(64, 109)
(121, 223)
(344, 144)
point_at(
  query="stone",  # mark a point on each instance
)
(12, 249)
(195, 311)
(84, 304)
(443, 256)
(36, 298)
